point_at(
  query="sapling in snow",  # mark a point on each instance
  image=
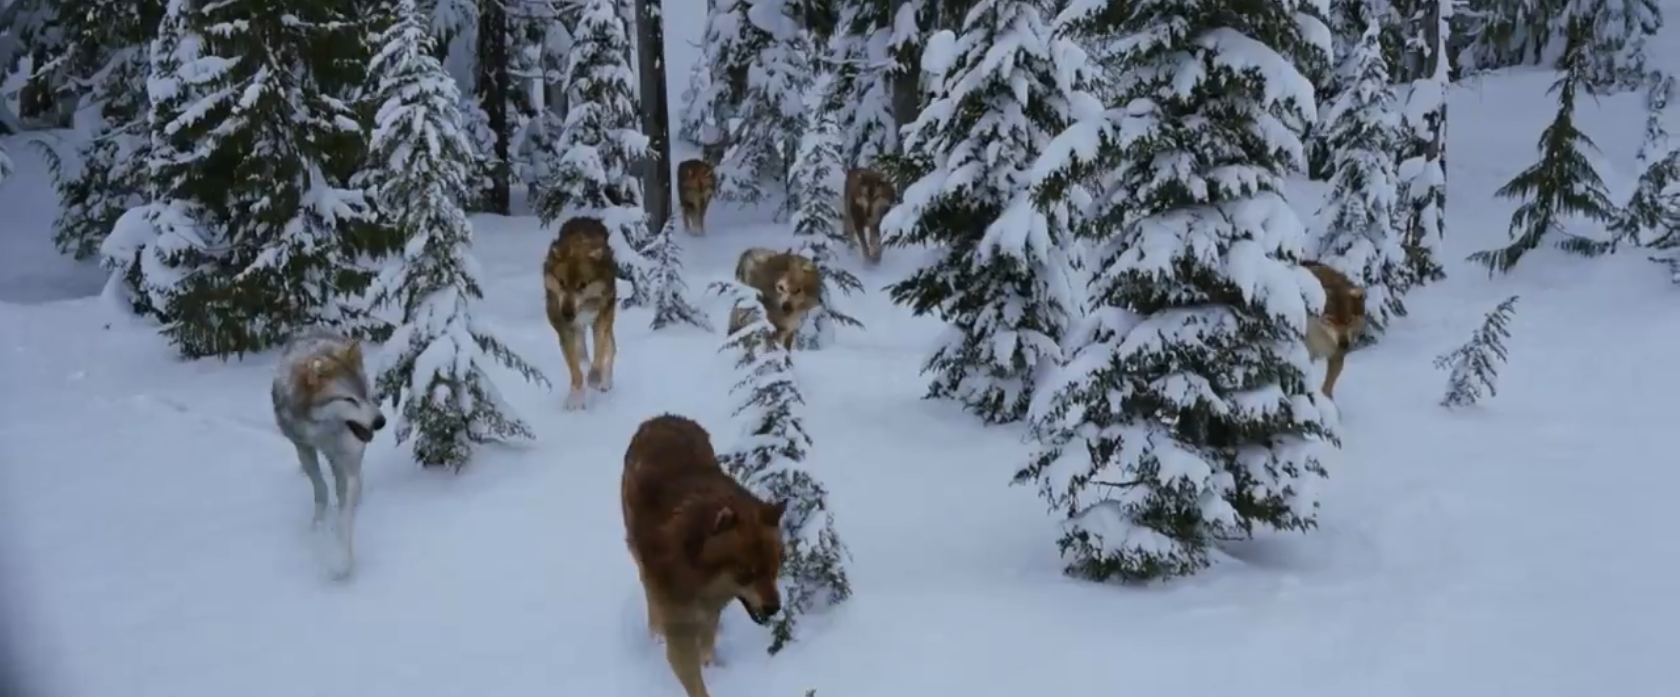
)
(664, 280)
(813, 199)
(767, 458)
(1474, 365)
(437, 359)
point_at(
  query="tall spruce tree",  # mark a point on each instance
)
(1563, 184)
(1184, 416)
(864, 62)
(603, 143)
(816, 216)
(761, 61)
(1423, 156)
(422, 166)
(999, 276)
(1359, 237)
(250, 233)
(767, 457)
(106, 52)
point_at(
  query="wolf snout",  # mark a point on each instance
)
(1343, 342)
(378, 422)
(760, 614)
(362, 433)
(568, 312)
(787, 306)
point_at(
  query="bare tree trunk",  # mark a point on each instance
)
(495, 90)
(650, 55)
(906, 87)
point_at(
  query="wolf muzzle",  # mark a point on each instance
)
(364, 433)
(762, 616)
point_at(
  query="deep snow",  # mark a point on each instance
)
(156, 525)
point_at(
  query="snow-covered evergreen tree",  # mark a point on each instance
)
(998, 279)
(437, 360)
(761, 71)
(1184, 416)
(1474, 366)
(671, 305)
(865, 55)
(816, 217)
(1563, 184)
(1358, 234)
(767, 457)
(251, 222)
(1652, 213)
(602, 143)
(1423, 169)
(106, 52)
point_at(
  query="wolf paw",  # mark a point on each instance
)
(574, 400)
(600, 380)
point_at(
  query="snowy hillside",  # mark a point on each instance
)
(156, 525)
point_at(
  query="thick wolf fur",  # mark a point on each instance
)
(868, 198)
(789, 285)
(580, 279)
(1331, 334)
(323, 405)
(696, 183)
(699, 539)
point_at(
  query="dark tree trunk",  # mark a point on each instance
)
(656, 170)
(906, 87)
(495, 92)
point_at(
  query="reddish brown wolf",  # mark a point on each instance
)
(1331, 335)
(580, 278)
(699, 539)
(696, 184)
(868, 198)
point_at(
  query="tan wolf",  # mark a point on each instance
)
(580, 279)
(696, 184)
(789, 284)
(868, 197)
(1331, 334)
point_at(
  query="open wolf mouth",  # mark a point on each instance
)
(757, 617)
(360, 432)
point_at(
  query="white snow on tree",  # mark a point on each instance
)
(1652, 212)
(1563, 185)
(1358, 233)
(1000, 275)
(247, 238)
(816, 217)
(664, 279)
(767, 458)
(1423, 173)
(602, 144)
(435, 365)
(697, 122)
(1474, 367)
(761, 72)
(1184, 417)
(864, 56)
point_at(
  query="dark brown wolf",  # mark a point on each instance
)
(1331, 334)
(868, 198)
(789, 285)
(696, 183)
(580, 278)
(700, 540)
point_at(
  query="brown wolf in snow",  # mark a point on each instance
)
(868, 198)
(789, 284)
(699, 539)
(580, 280)
(1331, 334)
(696, 183)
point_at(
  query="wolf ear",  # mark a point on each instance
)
(725, 521)
(773, 515)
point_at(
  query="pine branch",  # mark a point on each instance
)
(1474, 366)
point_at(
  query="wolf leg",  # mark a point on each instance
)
(874, 238)
(347, 478)
(1333, 371)
(606, 350)
(311, 462)
(708, 638)
(682, 651)
(700, 215)
(571, 345)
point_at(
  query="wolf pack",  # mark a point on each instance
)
(700, 540)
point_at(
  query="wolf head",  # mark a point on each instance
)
(1343, 317)
(798, 287)
(744, 543)
(580, 272)
(696, 180)
(336, 388)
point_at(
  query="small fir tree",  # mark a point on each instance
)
(670, 293)
(1002, 95)
(1474, 366)
(813, 199)
(424, 167)
(1652, 213)
(1563, 184)
(602, 143)
(767, 459)
(1359, 236)
(254, 231)
(1183, 417)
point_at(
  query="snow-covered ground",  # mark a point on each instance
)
(154, 522)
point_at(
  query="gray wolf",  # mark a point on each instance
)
(696, 184)
(1331, 334)
(868, 197)
(580, 279)
(323, 405)
(789, 284)
(699, 540)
